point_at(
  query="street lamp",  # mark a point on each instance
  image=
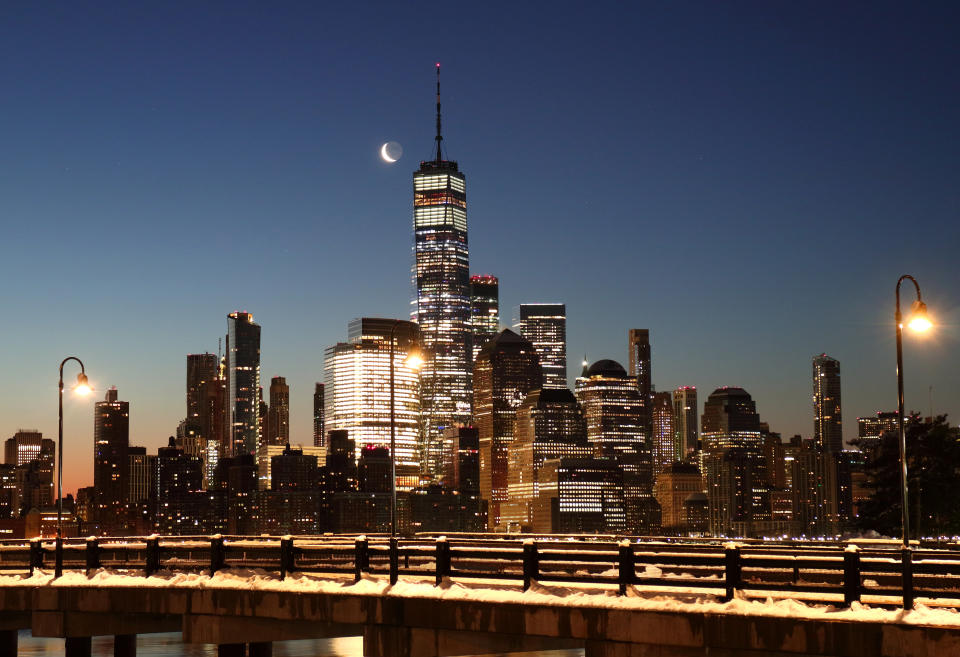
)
(919, 322)
(82, 388)
(414, 361)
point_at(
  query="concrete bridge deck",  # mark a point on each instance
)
(414, 619)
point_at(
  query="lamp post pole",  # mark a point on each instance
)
(393, 438)
(82, 380)
(898, 320)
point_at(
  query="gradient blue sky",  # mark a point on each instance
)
(747, 180)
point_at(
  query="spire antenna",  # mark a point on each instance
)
(439, 137)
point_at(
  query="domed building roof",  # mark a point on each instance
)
(608, 368)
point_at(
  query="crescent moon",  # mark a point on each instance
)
(385, 156)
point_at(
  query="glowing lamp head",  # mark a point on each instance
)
(919, 321)
(414, 361)
(83, 385)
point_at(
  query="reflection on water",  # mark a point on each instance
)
(169, 645)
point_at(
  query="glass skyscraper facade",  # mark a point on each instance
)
(441, 273)
(357, 391)
(545, 326)
(201, 368)
(484, 310)
(243, 382)
(685, 419)
(828, 421)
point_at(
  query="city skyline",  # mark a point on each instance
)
(758, 330)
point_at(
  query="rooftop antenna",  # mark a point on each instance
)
(439, 136)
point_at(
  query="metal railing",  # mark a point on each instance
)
(822, 572)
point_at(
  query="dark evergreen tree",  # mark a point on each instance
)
(933, 472)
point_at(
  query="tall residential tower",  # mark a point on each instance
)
(243, 382)
(828, 424)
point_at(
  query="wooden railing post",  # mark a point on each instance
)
(218, 554)
(361, 557)
(851, 575)
(442, 560)
(531, 562)
(92, 554)
(906, 563)
(288, 558)
(153, 555)
(36, 555)
(627, 567)
(732, 570)
(394, 560)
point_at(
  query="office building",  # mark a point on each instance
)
(357, 391)
(278, 415)
(243, 382)
(580, 496)
(685, 419)
(294, 470)
(266, 453)
(639, 367)
(613, 411)
(665, 447)
(828, 422)
(441, 274)
(733, 464)
(549, 425)
(111, 439)
(507, 368)
(23, 447)
(871, 430)
(545, 326)
(319, 428)
(674, 485)
(141, 469)
(201, 369)
(484, 310)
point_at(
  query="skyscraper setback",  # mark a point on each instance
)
(442, 276)
(243, 382)
(545, 326)
(828, 423)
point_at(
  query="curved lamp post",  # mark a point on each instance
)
(413, 361)
(83, 388)
(919, 322)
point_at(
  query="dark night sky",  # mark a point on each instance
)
(747, 180)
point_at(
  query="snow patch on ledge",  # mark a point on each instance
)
(663, 599)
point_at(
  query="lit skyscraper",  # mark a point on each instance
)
(639, 367)
(507, 368)
(828, 423)
(319, 434)
(357, 391)
(243, 382)
(201, 368)
(685, 419)
(663, 444)
(111, 439)
(23, 447)
(484, 310)
(545, 326)
(442, 277)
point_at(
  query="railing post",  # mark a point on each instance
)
(153, 555)
(287, 556)
(851, 575)
(442, 559)
(627, 566)
(218, 554)
(58, 557)
(36, 555)
(732, 568)
(906, 563)
(93, 554)
(394, 560)
(531, 562)
(361, 557)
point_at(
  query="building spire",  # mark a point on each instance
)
(439, 137)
